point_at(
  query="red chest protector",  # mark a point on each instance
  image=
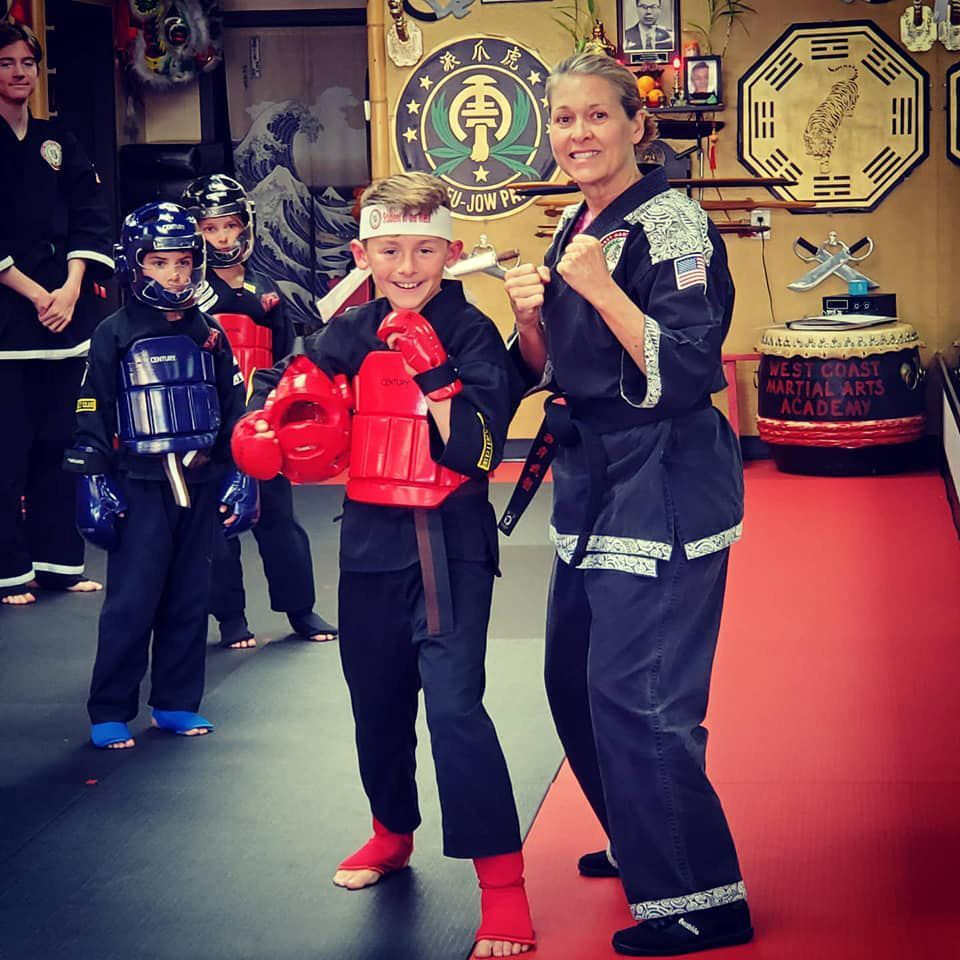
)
(390, 462)
(252, 344)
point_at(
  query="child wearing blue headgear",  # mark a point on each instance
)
(154, 416)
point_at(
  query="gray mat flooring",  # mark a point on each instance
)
(223, 847)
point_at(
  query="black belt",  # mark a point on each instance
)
(568, 421)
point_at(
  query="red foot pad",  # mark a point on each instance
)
(383, 853)
(504, 911)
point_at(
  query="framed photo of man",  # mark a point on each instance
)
(702, 79)
(649, 30)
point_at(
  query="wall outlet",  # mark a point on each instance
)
(761, 218)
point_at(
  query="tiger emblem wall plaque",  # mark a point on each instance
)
(474, 113)
(839, 108)
(953, 113)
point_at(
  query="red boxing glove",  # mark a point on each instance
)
(417, 341)
(256, 452)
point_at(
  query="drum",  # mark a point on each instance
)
(841, 403)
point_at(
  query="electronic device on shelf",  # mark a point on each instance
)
(869, 304)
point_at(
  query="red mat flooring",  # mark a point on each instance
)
(833, 742)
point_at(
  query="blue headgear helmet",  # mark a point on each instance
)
(159, 228)
(218, 195)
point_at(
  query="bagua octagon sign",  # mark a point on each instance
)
(839, 108)
(474, 113)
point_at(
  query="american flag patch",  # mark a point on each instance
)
(690, 271)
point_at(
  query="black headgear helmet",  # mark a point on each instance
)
(218, 195)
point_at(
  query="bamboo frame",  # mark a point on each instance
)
(40, 101)
(379, 112)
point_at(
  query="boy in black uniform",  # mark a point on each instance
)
(249, 308)
(54, 241)
(418, 548)
(163, 379)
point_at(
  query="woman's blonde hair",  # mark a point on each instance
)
(622, 80)
(412, 192)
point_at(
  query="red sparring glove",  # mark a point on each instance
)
(418, 343)
(255, 447)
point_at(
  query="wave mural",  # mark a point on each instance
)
(303, 229)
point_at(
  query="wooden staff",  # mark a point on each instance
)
(541, 188)
(750, 204)
(734, 182)
(547, 202)
(742, 228)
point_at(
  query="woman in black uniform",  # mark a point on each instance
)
(625, 322)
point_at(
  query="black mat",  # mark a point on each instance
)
(223, 847)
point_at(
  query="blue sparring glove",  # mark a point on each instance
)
(99, 505)
(241, 495)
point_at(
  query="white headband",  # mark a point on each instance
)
(382, 221)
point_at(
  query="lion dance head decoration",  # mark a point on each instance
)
(167, 43)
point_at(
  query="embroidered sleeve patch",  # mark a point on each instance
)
(486, 453)
(690, 271)
(86, 405)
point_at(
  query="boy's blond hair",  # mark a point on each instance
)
(412, 192)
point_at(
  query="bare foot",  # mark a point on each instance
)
(122, 745)
(499, 948)
(196, 732)
(19, 599)
(356, 879)
(312, 627)
(245, 644)
(85, 586)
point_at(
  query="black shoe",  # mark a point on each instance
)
(597, 865)
(687, 932)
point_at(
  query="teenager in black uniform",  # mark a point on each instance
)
(418, 548)
(626, 321)
(163, 381)
(261, 335)
(54, 242)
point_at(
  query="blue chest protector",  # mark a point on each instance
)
(167, 398)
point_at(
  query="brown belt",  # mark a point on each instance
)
(432, 549)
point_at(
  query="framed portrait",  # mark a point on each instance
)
(649, 30)
(702, 81)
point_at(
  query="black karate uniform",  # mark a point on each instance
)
(648, 497)
(283, 544)
(386, 649)
(158, 576)
(53, 211)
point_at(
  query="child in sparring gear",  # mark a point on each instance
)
(55, 244)
(432, 396)
(249, 307)
(159, 400)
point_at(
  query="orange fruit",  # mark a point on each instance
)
(645, 84)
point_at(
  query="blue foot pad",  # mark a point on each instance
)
(103, 734)
(180, 721)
